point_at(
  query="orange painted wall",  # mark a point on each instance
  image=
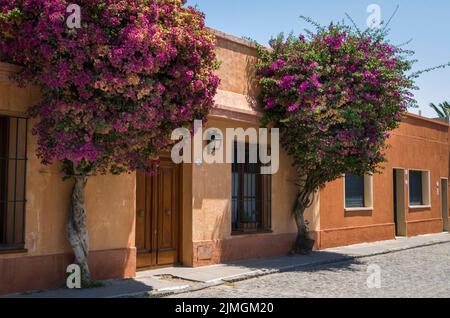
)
(420, 144)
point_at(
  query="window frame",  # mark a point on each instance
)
(426, 189)
(7, 158)
(263, 205)
(368, 195)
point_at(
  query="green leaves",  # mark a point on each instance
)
(338, 92)
(442, 109)
(11, 14)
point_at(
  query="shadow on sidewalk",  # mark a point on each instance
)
(320, 260)
(110, 288)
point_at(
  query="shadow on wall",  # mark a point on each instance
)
(238, 72)
(216, 218)
(252, 84)
(223, 221)
(120, 263)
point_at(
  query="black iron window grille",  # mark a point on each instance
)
(251, 196)
(13, 165)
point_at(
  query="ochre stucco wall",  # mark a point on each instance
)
(211, 200)
(213, 241)
(237, 58)
(211, 210)
(110, 202)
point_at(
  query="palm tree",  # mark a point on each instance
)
(442, 109)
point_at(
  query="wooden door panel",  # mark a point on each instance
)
(166, 209)
(157, 230)
(145, 259)
(167, 257)
(144, 201)
(167, 215)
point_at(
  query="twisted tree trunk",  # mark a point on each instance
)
(303, 244)
(76, 228)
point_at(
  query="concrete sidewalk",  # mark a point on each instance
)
(161, 282)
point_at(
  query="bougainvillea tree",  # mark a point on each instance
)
(335, 95)
(113, 89)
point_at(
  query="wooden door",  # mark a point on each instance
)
(158, 216)
(399, 202)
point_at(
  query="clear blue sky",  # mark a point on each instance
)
(426, 22)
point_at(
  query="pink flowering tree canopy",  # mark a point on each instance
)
(335, 95)
(114, 89)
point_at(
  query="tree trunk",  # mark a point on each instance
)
(303, 244)
(77, 231)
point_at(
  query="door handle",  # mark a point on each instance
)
(140, 213)
(168, 212)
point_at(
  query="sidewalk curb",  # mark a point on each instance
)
(262, 273)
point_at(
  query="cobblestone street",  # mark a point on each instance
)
(420, 272)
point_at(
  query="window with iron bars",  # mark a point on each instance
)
(251, 196)
(13, 165)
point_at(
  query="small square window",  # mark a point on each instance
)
(358, 192)
(354, 191)
(419, 188)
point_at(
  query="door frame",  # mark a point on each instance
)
(180, 213)
(399, 205)
(180, 218)
(444, 207)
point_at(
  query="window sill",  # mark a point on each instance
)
(419, 207)
(358, 209)
(244, 233)
(12, 250)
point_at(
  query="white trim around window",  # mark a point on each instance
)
(368, 195)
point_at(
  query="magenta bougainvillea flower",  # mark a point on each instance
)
(336, 94)
(114, 89)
